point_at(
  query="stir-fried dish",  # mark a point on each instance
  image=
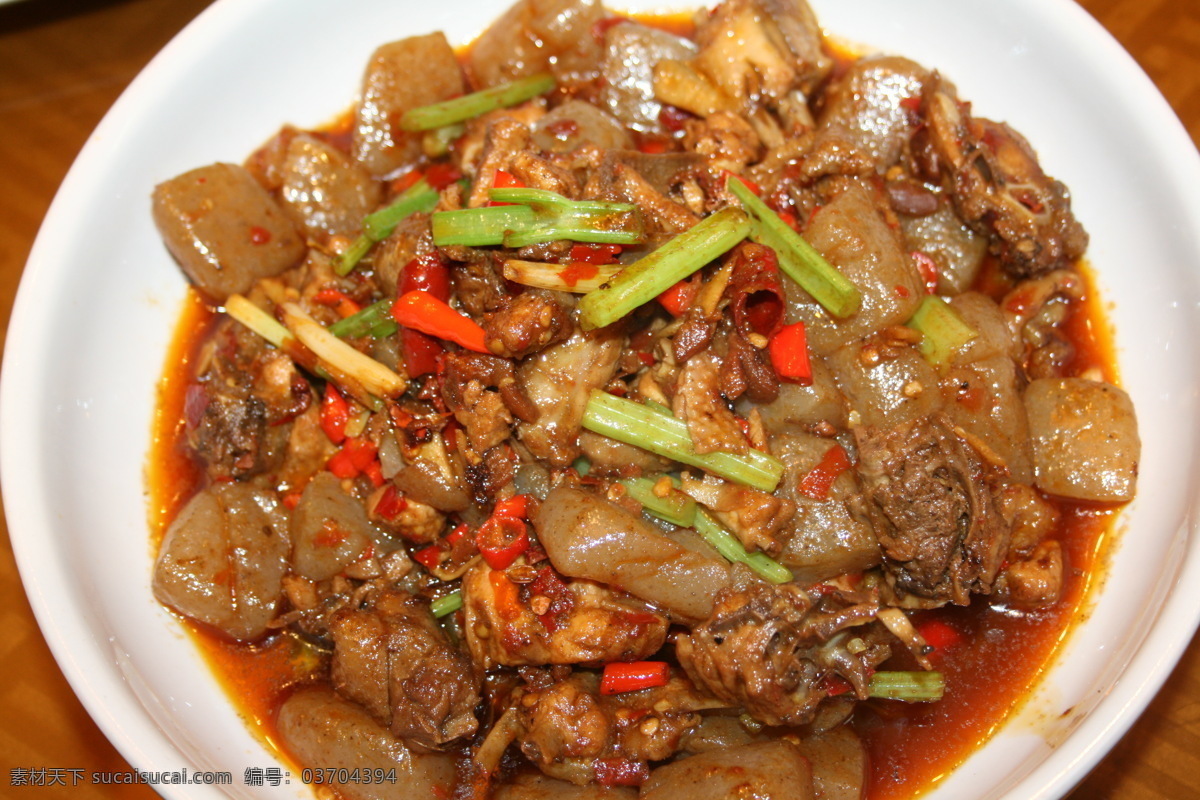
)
(622, 411)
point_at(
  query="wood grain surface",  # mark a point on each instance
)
(63, 63)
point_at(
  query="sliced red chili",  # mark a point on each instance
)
(788, 349)
(820, 478)
(501, 540)
(335, 414)
(631, 676)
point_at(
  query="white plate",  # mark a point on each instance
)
(99, 298)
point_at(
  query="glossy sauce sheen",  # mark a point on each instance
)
(988, 675)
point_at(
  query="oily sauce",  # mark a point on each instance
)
(989, 670)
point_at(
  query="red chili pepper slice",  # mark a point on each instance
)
(679, 298)
(818, 480)
(516, 506)
(335, 414)
(337, 299)
(428, 272)
(789, 354)
(424, 312)
(505, 180)
(441, 175)
(928, 269)
(630, 676)
(938, 634)
(501, 540)
(595, 253)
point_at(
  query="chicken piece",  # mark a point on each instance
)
(770, 649)
(698, 402)
(527, 324)
(392, 659)
(483, 394)
(933, 508)
(1036, 581)
(225, 231)
(238, 411)
(552, 621)
(223, 560)
(558, 381)
(743, 53)
(572, 732)
(998, 186)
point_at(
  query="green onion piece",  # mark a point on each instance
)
(912, 687)
(257, 320)
(560, 277)
(472, 105)
(582, 465)
(797, 258)
(379, 225)
(658, 271)
(676, 508)
(477, 227)
(418, 197)
(554, 201)
(732, 549)
(447, 604)
(942, 329)
(375, 321)
(659, 407)
(373, 376)
(436, 143)
(635, 424)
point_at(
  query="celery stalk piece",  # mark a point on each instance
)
(469, 106)
(633, 423)
(658, 271)
(676, 508)
(375, 321)
(798, 259)
(447, 604)
(732, 549)
(912, 687)
(436, 142)
(478, 227)
(257, 320)
(560, 277)
(378, 225)
(942, 329)
(372, 375)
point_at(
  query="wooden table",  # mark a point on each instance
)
(63, 63)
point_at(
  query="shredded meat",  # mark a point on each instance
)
(933, 509)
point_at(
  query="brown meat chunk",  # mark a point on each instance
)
(526, 324)
(552, 621)
(483, 394)
(571, 732)
(393, 660)
(998, 186)
(698, 402)
(933, 509)
(770, 649)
